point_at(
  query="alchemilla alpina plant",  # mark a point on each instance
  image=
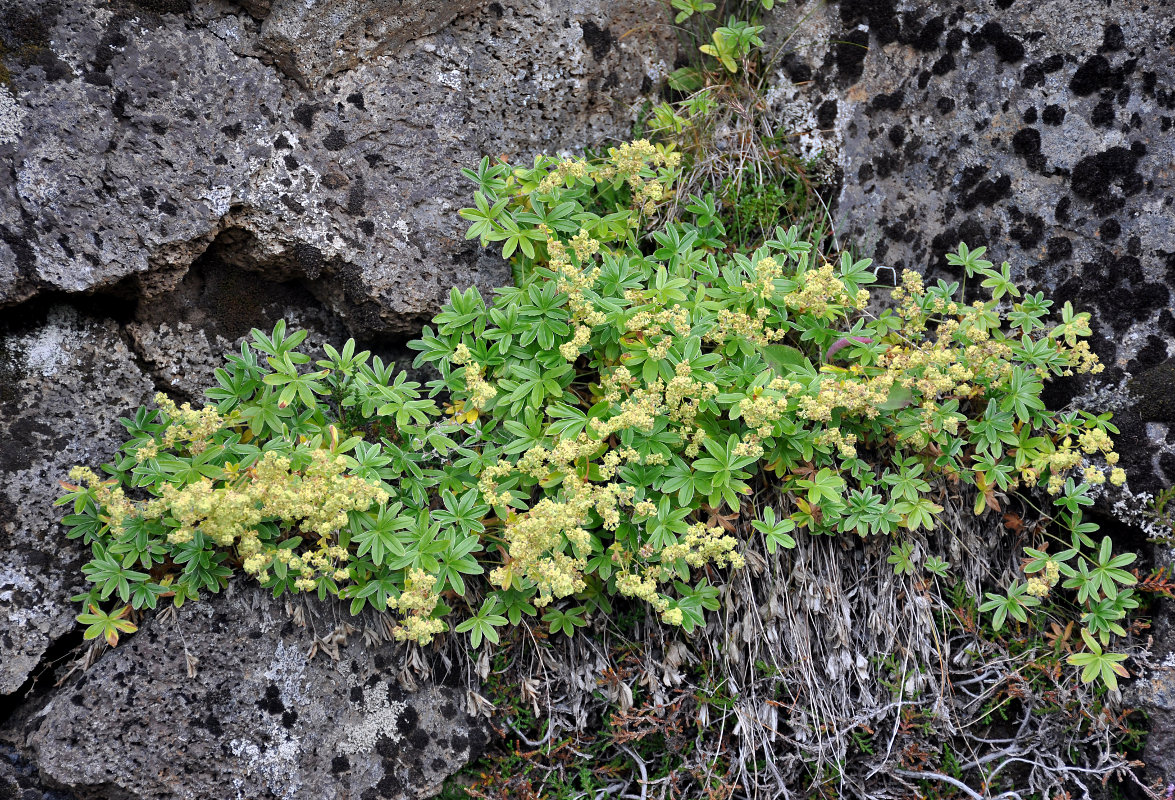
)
(597, 428)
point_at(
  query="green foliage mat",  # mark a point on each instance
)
(598, 430)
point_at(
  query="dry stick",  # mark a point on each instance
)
(640, 765)
(938, 776)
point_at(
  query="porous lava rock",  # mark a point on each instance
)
(312, 40)
(1042, 131)
(133, 133)
(235, 697)
(19, 780)
(1156, 693)
(65, 379)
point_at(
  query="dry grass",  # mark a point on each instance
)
(823, 674)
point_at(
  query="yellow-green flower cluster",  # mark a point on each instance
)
(315, 499)
(652, 320)
(1083, 360)
(480, 390)
(536, 542)
(564, 173)
(637, 412)
(764, 407)
(107, 494)
(845, 443)
(308, 566)
(1041, 584)
(822, 294)
(584, 246)
(643, 587)
(859, 396)
(570, 350)
(417, 603)
(186, 425)
(629, 160)
(703, 544)
(766, 271)
(732, 323)
(1098, 441)
(626, 162)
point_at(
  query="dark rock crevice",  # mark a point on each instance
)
(58, 660)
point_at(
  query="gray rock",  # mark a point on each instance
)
(312, 40)
(1041, 130)
(155, 136)
(258, 715)
(182, 335)
(19, 779)
(65, 379)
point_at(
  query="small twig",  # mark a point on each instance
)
(938, 776)
(640, 765)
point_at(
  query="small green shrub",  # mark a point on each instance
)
(603, 424)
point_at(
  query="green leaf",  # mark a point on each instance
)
(565, 621)
(775, 531)
(786, 360)
(1099, 665)
(108, 626)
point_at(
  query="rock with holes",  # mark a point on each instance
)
(1041, 130)
(311, 41)
(65, 379)
(236, 698)
(137, 135)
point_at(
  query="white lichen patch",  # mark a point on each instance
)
(220, 199)
(286, 670)
(1137, 510)
(20, 617)
(450, 79)
(45, 351)
(1103, 396)
(792, 110)
(11, 118)
(277, 764)
(379, 719)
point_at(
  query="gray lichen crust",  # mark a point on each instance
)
(196, 168)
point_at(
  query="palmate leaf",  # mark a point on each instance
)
(775, 531)
(110, 576)
(824, 487)
(379, 532)
(108, 626)
(1098, 665)
(565, 621)
(515, 236)
(1014, 604)
(484, 217)
(483, 624)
